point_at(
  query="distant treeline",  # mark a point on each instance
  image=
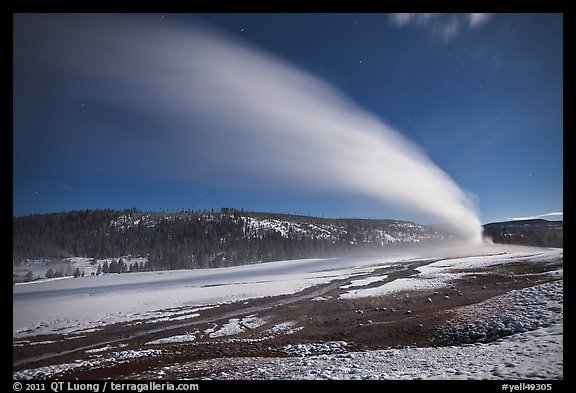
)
(206, 239)
(540, 233)
(201, 239)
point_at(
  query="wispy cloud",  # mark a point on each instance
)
(477, 19)
(442, 26)
(552, 214)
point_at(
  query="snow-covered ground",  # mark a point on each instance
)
(74, 305)
(71, 305)
(528, 322)
(67, 266)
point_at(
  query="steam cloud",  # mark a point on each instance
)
(256, 112)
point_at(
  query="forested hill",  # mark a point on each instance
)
(541, 233)
(200, 239)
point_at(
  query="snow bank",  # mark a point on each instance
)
(517, 311)
(182, 338)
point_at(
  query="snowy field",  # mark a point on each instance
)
(72, 305)
(523, 328)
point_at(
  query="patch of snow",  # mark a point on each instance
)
(50, 372)
(313, 348)
(365, 281)
(183, 338)
(133, 354)
(284, 328)
(237, 326)
(401, 284)
(101, 349)
(43, 342)
(211, 330)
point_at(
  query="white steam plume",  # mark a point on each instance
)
(258, 113)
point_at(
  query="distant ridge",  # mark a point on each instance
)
(532, 221)
(205, 239)
(229, 237)
(535, 232)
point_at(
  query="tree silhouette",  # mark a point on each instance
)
(49, 273)
(29, 276)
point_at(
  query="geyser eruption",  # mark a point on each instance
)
(248, 111)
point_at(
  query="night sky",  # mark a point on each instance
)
(290, 113)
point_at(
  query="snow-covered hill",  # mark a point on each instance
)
(191, 239)
(258, 225)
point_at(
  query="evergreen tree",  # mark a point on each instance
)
(49, 273)
(114, 267)
(29, 276)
